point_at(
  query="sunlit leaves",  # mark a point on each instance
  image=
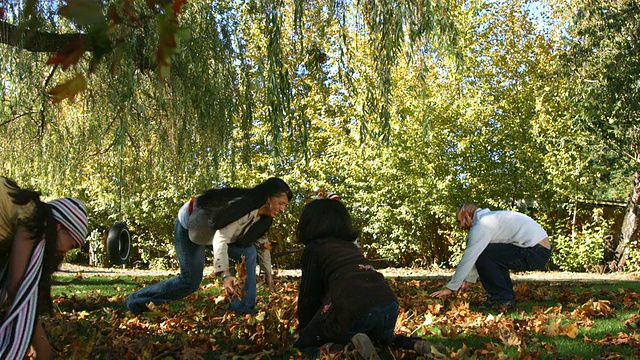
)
(594, 309)
(240, 92)
(601, 64)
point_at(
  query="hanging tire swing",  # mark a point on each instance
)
(119, 244)
(118, 239)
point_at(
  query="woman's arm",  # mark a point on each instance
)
(264, 260)
(40, 343)
(21, 249)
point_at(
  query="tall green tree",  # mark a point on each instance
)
(603, 63)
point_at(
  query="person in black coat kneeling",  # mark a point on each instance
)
(342, 297)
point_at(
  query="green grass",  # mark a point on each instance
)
(562, 347)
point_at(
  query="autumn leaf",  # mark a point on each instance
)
(70, 55)
(240, 278)
(69, 89)
(449, 332)
(592, 308)
(552, 329)
(435, 308)
(169, 36)
(82, 12)
(82, 315)
(428, 320)
(509, 338)
(177, 6)
(570, 330)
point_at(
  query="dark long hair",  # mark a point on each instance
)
(230, 204)
(325, 218)
(40, 224)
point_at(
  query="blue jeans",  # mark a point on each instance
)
(248, 302)
(378, 323)
(191, 257)
(496, 260)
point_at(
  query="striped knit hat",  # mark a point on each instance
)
(324, 194)
(72, 214)
(332, 196)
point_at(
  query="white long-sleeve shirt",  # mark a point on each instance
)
(494, 227)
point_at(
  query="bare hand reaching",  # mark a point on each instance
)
(228, 286)
(441, 294)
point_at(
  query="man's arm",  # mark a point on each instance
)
(445, 293)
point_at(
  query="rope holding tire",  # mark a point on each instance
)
(118, 244)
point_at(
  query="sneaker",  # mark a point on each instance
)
(424, 347)
(240, 308)
(496, 304)
(364, 346)
(136, 309)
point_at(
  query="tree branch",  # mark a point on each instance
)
(40, 41)
(33, 40)
(16, 117)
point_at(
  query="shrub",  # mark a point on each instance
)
(584, 249)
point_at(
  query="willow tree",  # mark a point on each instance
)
(113, 33)
(157, 100)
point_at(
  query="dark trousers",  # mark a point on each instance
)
(496, 260)
(378, 323)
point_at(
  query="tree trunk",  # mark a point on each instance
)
(630, 224)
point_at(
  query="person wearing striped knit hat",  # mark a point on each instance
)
(34, 238)
(324, 194)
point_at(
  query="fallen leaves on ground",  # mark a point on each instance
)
(94, 326)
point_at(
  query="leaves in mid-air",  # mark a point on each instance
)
(69, 89)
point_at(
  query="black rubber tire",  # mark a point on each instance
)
(119, 244)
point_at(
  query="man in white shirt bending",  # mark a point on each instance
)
(498, 241)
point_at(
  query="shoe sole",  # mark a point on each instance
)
(365, 347)
(424, 347)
